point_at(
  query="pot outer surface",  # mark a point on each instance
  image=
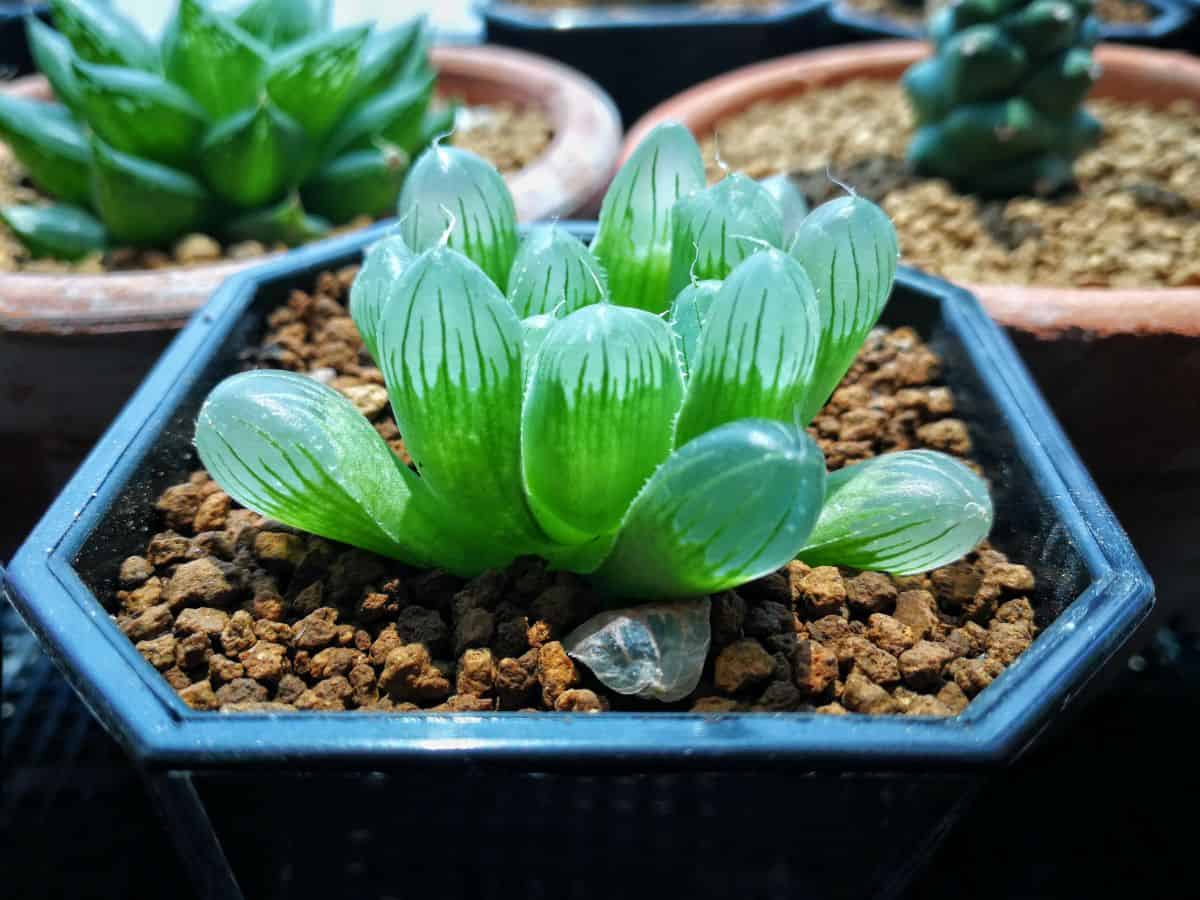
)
(1119, 367)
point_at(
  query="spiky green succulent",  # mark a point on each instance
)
(261, 123)
(571, 404)
(999, 106)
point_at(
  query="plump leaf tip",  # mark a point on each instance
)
(261, 123)
(998, 106)
(554, 406)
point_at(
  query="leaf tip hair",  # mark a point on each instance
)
(848, 188)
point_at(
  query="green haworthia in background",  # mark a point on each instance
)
(260, 123)
(998, 105)
(661, 455)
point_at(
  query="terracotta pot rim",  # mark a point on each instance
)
(1043, 310)
(573, 168)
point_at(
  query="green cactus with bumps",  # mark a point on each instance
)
(998, 106)
(258, 123)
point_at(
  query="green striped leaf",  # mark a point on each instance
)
(280, 22)
(452, 187)
(554, 272)
(726, 508)
(139, 113)
(249, 159)
(101, 34)
(656, 650)
(533, 334)
(793, 204)
(849, 249)
(143, 202)
(902, 513)
(716, 228)
(290, 448)
(689, 313)
(450, 351)
(382, 267)
(217, 63)
(633, 239)
(59, 232)
(311, 79)
(758, 347)
(49, 145)
(396, 116)
(52, 54)
(598, 418)
(286, 222)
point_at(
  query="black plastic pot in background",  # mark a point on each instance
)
(1169, 27)
(642, 55)
(14, 48)
(630, 804)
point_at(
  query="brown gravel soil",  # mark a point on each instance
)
(241, 613)
(1115, 12)
(509, 136)
(1133, 221)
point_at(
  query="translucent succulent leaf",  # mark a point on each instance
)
(448, 186)
(450, 351)
(144, 202)
(279, 22)
(49, 145)
(138, 112)
(633, 239)
(533, 333)
(758, 347)
(249, 159)
(726, 508)
(598, 418)
(288, 447)
(656, 651)
(848, 248)
(554, 272)
(793, 205)
(716, 228)
(388, 57)
(382, 267)
(52, 54)
(60, 232)
(359, 183)
(101, 34)
(396, 116)
(284, 223)
(689, 313)
(312, 78)
(902, 513)
(217, 63)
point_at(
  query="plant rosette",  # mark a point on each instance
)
(634, 413)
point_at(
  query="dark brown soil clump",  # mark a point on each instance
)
(241, 613)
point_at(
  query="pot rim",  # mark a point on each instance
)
(137, 705)
(568, 175)
(1045, 311)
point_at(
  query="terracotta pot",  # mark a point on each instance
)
(568, 177)
(1119, 366)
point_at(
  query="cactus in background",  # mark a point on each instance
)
(261, 124)
(998, 107)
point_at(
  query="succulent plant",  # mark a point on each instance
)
(659, 452)
(998, 107)
(262, 123)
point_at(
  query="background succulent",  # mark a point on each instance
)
(659, 449)
(258, 123)
(999, 106)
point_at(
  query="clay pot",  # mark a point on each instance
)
(72, 347)
(1119, 366)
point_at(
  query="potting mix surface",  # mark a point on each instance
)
(240, 613)
(507, 135)
(1114, 12)
(1133, 222)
